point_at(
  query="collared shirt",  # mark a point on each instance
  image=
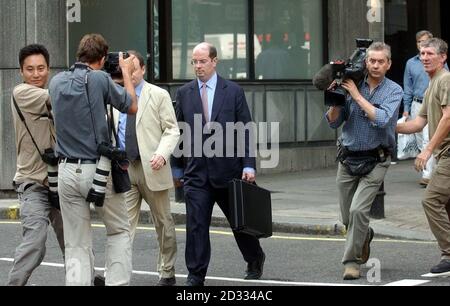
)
(415, 81)
(359, 132)
(32, 102)
(123, 118)
(210, 90)
(81, 126)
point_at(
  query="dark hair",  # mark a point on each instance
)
(138, 56)
(33, 49)
(92, 48)
(212, 51)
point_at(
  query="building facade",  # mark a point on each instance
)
(271, 48)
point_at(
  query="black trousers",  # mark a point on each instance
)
(199, 207)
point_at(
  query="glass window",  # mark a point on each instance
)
(290, 39)
(220, 22)
(124, 26)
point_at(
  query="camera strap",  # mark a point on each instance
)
(90, 110)
(112, 125)
(22, 118)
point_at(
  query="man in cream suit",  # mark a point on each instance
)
(149, 139)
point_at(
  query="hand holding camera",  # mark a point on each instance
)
(126, 63)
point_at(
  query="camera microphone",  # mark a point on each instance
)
(323, 79)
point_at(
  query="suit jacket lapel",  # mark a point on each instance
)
(143, 102)
(219, 98)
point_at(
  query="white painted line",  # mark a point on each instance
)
(226, 279)
(407, 283)
(402, 283)
(434, 275)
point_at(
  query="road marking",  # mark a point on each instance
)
(407, 283)
(226, 279)
(229, 233)
(434, 275)
(402, 283)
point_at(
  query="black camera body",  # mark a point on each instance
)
(111, 152)
(111, 65)
(50, 158)
(354, 68)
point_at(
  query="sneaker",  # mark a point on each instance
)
(365, 254)
(352, 272)
(442, 267)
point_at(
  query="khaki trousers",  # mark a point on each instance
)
(73, 188)
(356, 196)
(36, 214)
(436, 205)
(159, 204)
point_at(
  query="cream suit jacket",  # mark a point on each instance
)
(157, 133)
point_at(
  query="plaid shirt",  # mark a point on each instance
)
(361, 134)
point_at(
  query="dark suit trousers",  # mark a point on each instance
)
(199, 207)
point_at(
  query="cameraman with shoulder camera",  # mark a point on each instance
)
(369, 117)
(35, 133)
(79, 98)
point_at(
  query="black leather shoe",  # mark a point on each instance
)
(167, 281)
(99, 281)
(193, 283)
(255, 269)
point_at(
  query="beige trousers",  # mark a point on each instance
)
(356, 196)
(73, 188)
(159, 204)
(436, 205)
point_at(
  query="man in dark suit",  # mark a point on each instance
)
(211, 102)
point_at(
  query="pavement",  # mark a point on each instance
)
(307, 203)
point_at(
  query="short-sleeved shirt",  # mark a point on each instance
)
(437, 97)
(32, 102)
(81, 123)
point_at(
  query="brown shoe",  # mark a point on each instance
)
(365, 254)
(351, 272)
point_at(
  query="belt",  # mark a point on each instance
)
(374, 152)
(78, 161)
(418, 100)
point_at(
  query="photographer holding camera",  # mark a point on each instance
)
(34, 133)
(369, 117)
(79, 98)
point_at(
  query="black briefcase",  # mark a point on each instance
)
(250, 209)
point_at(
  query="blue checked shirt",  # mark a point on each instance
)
(361, 134)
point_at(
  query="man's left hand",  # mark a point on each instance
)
(157, 162)
(249, 177)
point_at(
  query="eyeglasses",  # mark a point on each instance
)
(199, 62)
